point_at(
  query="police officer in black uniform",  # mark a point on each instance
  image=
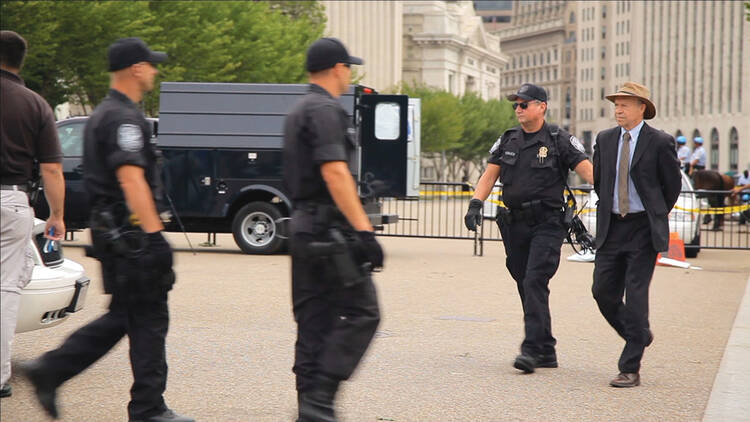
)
(531, 161)
(122, 178)
(336, 313)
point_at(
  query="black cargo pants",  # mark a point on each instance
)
(335, 324)
(532, 249)
(145, 322)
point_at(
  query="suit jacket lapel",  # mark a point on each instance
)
(612, 158)
(642, 145)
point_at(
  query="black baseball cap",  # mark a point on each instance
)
(325, 53)
(529, 92)
(126, 52)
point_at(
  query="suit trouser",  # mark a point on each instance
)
(16, 266)
(335, 325)
(623, 267)
(532, 257)
(145, 323)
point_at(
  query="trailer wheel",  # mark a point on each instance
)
(255, 230)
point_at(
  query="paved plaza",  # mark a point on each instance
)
(452, 324)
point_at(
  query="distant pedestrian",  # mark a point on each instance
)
(698, 158)
(637, 178)
(28, 134)
(683, 153)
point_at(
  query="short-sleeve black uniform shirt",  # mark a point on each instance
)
(117, 134)
(530, 169)
(316, 131)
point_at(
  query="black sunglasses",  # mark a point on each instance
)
(523, 106)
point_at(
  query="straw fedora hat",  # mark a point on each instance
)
(634, 89)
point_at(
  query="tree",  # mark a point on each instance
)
(218, 41)
(457, 133)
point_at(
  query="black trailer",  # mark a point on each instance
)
(222, 144)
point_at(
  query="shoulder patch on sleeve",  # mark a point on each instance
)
(577, 144)
(130, 138)
(496, 145)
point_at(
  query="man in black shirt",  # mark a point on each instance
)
(122, 179)
(27, 133)
(531, 161)
(336, 318)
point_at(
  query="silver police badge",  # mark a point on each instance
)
(130, 138)
(496, 145)
(577, 144)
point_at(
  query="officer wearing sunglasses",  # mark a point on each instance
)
(532, 162)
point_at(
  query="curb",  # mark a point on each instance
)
(730, 396)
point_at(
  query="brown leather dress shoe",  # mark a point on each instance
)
(625, 380)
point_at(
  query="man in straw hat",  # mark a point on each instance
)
(637, 178)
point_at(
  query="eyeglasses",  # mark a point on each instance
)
(523, 106)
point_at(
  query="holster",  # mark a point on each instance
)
(335, 256)
(122, 248)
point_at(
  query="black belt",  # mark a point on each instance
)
(22, 188)
(631, 216)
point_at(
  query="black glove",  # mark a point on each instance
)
(473, 217)
(369, 249)
(158, 252)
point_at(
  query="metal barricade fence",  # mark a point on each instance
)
(439, 212)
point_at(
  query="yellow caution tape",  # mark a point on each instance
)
(703, 211)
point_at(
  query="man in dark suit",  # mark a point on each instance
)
(637, 178)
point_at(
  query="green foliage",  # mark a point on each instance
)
(458, 132)
(216, 41)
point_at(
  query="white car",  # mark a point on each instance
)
(58, 286)
(684, 219)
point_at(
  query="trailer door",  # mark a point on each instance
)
(383, 140)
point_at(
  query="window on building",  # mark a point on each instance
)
(451, 77)
(714, 149)
(572, 17)
(555, 54)
(604, 11)
(554, 74)
(601, 112)
(602, 93)
(604, 32)
(604, 72)
(604, 52)
(549, 57)
(541, 58)
(734, 145)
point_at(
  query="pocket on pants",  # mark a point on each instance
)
(28, 268)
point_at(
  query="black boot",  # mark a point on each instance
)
(316, 405)
(44, 387)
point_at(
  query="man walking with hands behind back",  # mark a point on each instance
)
(637, 178)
